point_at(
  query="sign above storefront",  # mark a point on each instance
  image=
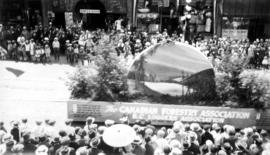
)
(161, 114)
(89, 11)
(238, 34)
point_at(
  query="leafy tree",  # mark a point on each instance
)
(237, 86)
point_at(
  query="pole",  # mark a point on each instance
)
(215, 16)
(160, 27)
(134, 21)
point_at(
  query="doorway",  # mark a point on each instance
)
(35, 12)
(59, 20)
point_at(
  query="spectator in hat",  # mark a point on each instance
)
(186, 150)
(206, 135)
(18, 149)
(73, 143)
(15, 132)
(38, 130)
(8, 143)
(176, 151)
(109, 123)
(194, 145)
(24, 128)
(29, 146)
(50, 130)
(88, 123)
(55, 145)
(137, 148)
(65, 149)
(70, 130)
(160, 141)
(42, 150)
(94, 146)
(82, 151)
(82, 140)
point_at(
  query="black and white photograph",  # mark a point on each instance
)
(134, 77)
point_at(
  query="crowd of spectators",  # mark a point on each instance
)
(181, 139)
(39, 43)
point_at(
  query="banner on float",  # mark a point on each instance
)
(160, 114)
(69, 19)
(238, 34)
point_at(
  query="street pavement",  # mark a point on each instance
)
(33, 91)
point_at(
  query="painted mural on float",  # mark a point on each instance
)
(173, 69)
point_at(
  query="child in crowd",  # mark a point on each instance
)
(127, 49)
(69, 53)
(32, 49)
(47, 50)
(14, 50)
(3, 53)
(27, 50)
(76, 53)
(9, 49)
(38, 53)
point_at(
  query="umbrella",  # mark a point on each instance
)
(119, 135)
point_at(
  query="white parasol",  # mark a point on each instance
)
(119, 135)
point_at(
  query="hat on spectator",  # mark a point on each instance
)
(178, 124)
(124, 120)
(92, 133)
(7, 138)
(82, 132)
(93, 126)
(176, 151)
(94, 142)
(62, 133)
(90, 120)
(65, 141)
(101, 129)
(68, 121)
(208, 143)
(42, 150)
(215, 126)
(46, 38)
(18, 148)
(15, 123)
(160, 134)
(175, 144)
(38, 122)
(149, 131)
(82, 151)
(24, 120)
(137, 140)
(222, 152)
(109, 122)
(241, 144)
(55, 38)
(51, 122)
